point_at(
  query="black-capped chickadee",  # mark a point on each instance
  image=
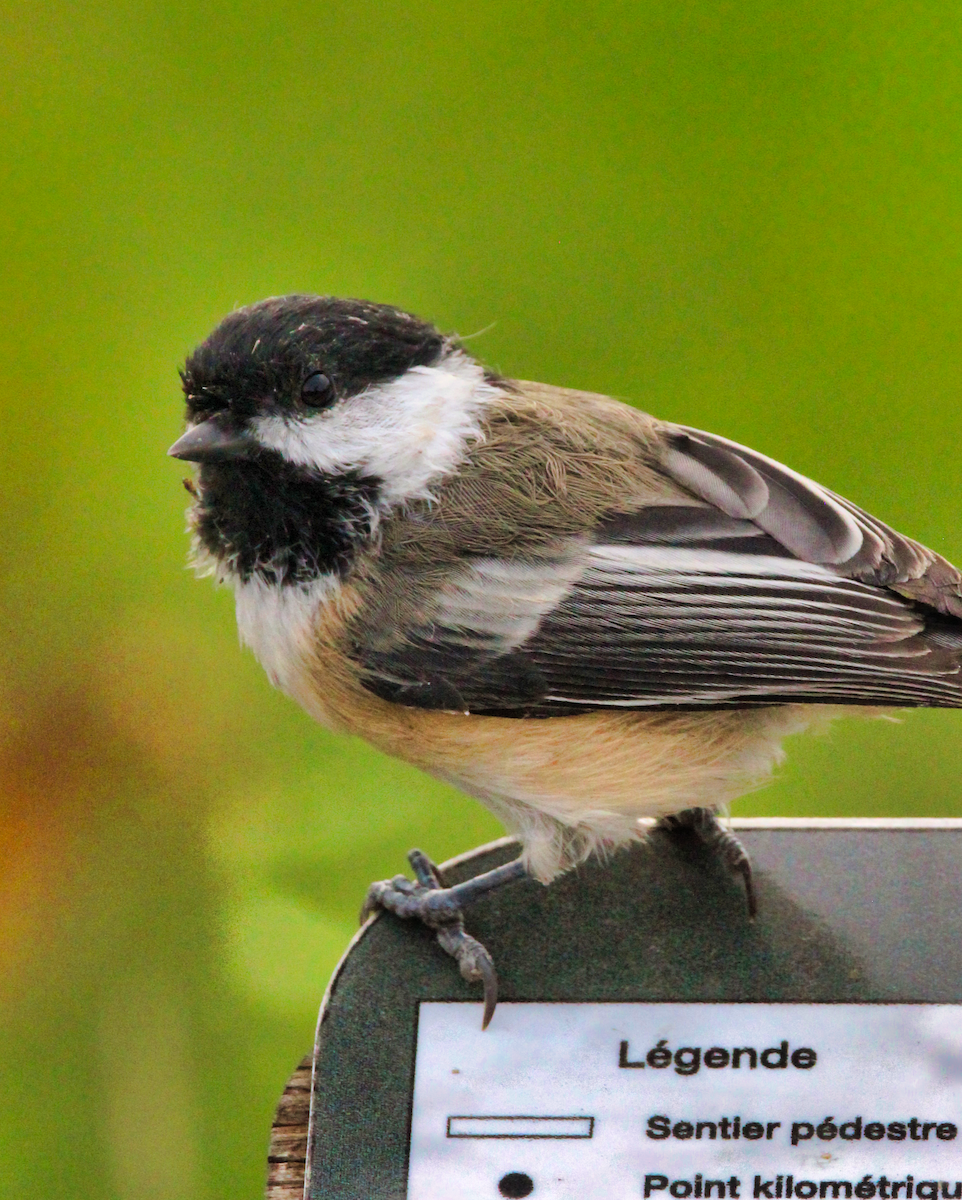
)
(574, 612)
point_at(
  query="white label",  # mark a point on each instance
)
(688, 1102)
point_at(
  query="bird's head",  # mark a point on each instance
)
(311, 416)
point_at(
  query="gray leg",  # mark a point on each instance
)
(441, 909)
(705, 825)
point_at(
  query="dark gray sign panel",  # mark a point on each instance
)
(651, 1042)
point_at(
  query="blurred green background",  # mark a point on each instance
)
(744, 216)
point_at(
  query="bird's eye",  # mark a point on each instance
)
(317, 391)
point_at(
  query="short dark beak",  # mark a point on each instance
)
(215, 440)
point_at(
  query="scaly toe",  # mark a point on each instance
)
(437, 908)
(475, 963)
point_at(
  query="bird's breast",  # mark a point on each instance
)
(278, 623)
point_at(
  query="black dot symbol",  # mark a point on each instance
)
(515, 1185)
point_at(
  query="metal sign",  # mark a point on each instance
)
(651, 1043)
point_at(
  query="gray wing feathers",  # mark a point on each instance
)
(810, 521)
(772, 590)
(715, 474)
(650, 628)
(661, 626)
(803, 517)
(500, 603)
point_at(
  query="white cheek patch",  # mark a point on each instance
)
(409, 432)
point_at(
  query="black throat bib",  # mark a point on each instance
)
(285, 523)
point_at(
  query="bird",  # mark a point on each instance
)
(575, 612)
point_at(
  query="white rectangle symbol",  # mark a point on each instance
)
(520, 1127)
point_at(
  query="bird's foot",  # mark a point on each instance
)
(705, 825)
(441, 908)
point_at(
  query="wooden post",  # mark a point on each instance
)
(287, 1154)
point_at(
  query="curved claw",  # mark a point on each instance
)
(370, 904)
(489, 977)
(745, 870)
(474, 962)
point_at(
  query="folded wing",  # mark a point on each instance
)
(772, 590)
(809, 521)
